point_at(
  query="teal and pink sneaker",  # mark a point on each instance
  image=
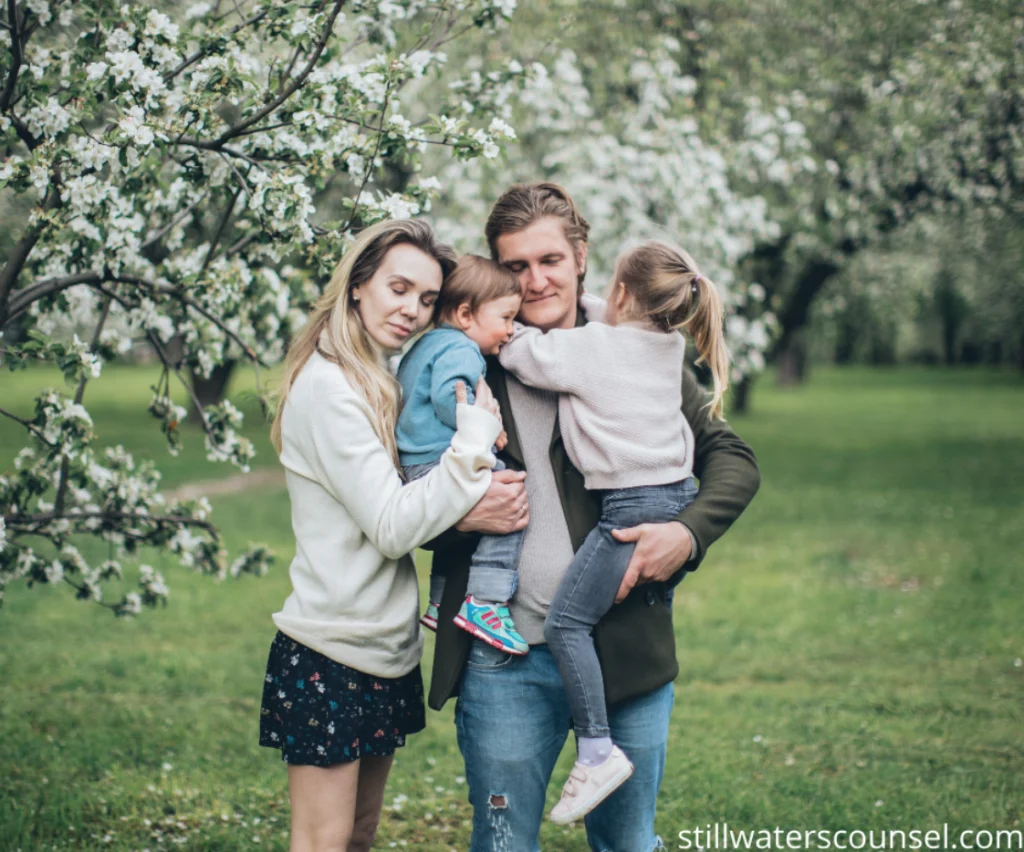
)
(429, 618)
(492, 623)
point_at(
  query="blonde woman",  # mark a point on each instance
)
(343, 686)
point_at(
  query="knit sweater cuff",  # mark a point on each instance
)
(476, 434)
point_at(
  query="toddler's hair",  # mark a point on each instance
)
(475, 281)
(670, 291)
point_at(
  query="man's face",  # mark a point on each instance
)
(548, 271)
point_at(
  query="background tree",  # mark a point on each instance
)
(845, 120)
(163, 177)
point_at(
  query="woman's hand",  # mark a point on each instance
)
(503, 509)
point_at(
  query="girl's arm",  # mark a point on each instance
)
(554, 360)
(356, 469)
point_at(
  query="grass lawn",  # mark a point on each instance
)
(850, 651)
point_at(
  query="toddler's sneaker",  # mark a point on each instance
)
(491, 623)
(588, 786)
(429, 618)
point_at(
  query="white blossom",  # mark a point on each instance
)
(133, 124)
(96, 70)
(158, 24)
(48, 119)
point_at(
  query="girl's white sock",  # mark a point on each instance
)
(594, 750)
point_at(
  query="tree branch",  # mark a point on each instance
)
(16, 56)
(51, 286)
(369, 165)
(15, 521)
(65, 465)
(222, 227)
(293, 86)
(19, 254)
(21, 300)
(200, 54)
(28, 425)
(159, 235)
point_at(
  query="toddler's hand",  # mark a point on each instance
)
(502, 440)
(484, 398)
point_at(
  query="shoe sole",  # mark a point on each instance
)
(610, 787)
(429, 623)
(484, 636)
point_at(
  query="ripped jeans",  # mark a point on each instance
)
(512, 719)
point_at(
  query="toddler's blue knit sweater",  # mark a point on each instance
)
(428, 373)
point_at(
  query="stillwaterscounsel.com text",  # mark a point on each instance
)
(722, 836)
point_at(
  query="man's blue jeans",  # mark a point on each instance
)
(513, 717)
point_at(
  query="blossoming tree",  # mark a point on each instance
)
(164, 176)
(639, 168)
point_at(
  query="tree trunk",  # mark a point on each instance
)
(791, 352)
(846, 340)
(212, 390)
(792, 360)
(741, 395)
(952, 309)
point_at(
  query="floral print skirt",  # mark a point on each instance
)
(320, 712)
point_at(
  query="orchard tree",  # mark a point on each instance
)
(162, 179)
(848, 119)
(910, 109)
(638, 167)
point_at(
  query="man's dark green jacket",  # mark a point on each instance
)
(635, 640)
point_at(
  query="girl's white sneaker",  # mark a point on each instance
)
(588, 786)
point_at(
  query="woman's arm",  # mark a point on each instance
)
(358, 471)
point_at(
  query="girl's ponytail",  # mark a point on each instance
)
(670, 292)
(705, 326)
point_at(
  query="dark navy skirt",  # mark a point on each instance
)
(319, 712)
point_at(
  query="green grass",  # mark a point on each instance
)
(850, 651)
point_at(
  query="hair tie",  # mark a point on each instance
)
(693, 284)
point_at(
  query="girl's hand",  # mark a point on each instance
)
(484, 398)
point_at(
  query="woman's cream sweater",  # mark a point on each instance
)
(355, 595)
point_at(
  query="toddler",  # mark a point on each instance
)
(620, 415)
(475, 312)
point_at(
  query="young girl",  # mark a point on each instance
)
(475, 313)
(619, 411)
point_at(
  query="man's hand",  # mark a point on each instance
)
(503, 509)
(661, 550)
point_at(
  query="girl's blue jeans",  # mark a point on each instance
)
(492, 573)
(588, 591)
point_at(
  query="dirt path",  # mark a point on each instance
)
(273, 476)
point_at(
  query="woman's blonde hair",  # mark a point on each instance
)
(336, 330)
(668, 289)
